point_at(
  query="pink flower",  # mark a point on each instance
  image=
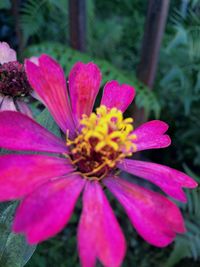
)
(6, 53)
(13, 82)
(96, 147)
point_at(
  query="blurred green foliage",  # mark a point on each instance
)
(14, 251)
(179, 85)
(37, 14)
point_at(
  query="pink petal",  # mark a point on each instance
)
(99, 234)
(169, 180)
(19, 132)
(8, 104)
(84, 83)
(116, 95)
(155, 218)
(46, 211)
(151, 135)
(21, 174)
(23, 108)
(35, 60)
(6, 53)
(48, 80)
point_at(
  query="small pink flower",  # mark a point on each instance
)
(96, 148)
(13, 82)
(6, 53)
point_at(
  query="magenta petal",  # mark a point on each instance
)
(151, 135)
(118, 96)
(169, 180)
(45, 212)
(19, 132)
(155, 218)
(48, 80)
(84, 83)
(21, 174)
(99, 234)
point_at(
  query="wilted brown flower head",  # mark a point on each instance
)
(13, 81)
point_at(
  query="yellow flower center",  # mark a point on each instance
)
(105, 139)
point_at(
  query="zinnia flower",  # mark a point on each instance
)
(14, 85)
(96, 147)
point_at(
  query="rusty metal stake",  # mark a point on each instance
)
(77, 24)
(154, 29)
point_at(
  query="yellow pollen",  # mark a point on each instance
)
(105, 139)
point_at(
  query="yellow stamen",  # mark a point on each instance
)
(104, 140)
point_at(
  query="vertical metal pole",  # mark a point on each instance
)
(77, 24)
(154, 28)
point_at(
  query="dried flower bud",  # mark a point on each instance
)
(13, 80)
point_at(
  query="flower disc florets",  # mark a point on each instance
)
(13, 80)
(104, 140)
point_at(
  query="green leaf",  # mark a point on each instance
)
(5, 4)
(188, 245)
(191, 173)
(31, 10)
(179, 252)
(14, 250)
(45, 119)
